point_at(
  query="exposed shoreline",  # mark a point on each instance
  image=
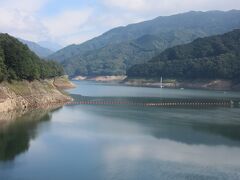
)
(24, 95)
(101, 78)
(217, 84)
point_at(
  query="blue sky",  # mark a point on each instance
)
(75, 21)
(57, 6)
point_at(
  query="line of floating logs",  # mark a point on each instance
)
(141, 101)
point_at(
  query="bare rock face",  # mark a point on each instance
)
(10, 100)
(80, 78)
(107, 78)
(100, 78)
(62, 83)
(24, 95)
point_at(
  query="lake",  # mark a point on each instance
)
(122, 142)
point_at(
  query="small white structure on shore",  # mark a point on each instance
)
(161, 83)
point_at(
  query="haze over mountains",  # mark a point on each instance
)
(50, 45)
(37, 49)
(114, 52)
(43, 48)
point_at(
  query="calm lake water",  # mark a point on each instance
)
(122, 142)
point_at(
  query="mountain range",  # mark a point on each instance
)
(42, 48)
(215, 57)
(117, 50)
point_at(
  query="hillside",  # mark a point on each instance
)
(215, 57)
(118, 49)
(18, 62)
(26, 81)
(37, 49)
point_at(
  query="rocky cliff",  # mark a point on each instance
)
(24, 95)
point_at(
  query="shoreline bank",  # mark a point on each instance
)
(100, 78)
(217, 84)
(20, 95)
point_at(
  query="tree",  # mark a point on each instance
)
(3, 71)
(17, 62)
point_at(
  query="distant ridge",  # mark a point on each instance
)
(115, 51)
(215, 57)
(36, 48)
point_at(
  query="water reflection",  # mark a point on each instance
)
(17, 129)
(216, 126)
(126, 143)
(121, 142)
(172, 151)
(138, 144)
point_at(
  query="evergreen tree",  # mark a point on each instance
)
(18, 62)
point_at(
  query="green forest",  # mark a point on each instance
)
(209, 58)
(17, 62)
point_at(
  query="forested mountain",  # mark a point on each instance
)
(118, 49)
(18, 62)
(206, 58)
(37, 49)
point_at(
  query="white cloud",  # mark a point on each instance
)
(173, 151)
(165, 7)
(67, 23)
(21, 24)
(76, 38)
(21, 18)
(79, 26)
(114, 20)
(134, 5)
(30, 6)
